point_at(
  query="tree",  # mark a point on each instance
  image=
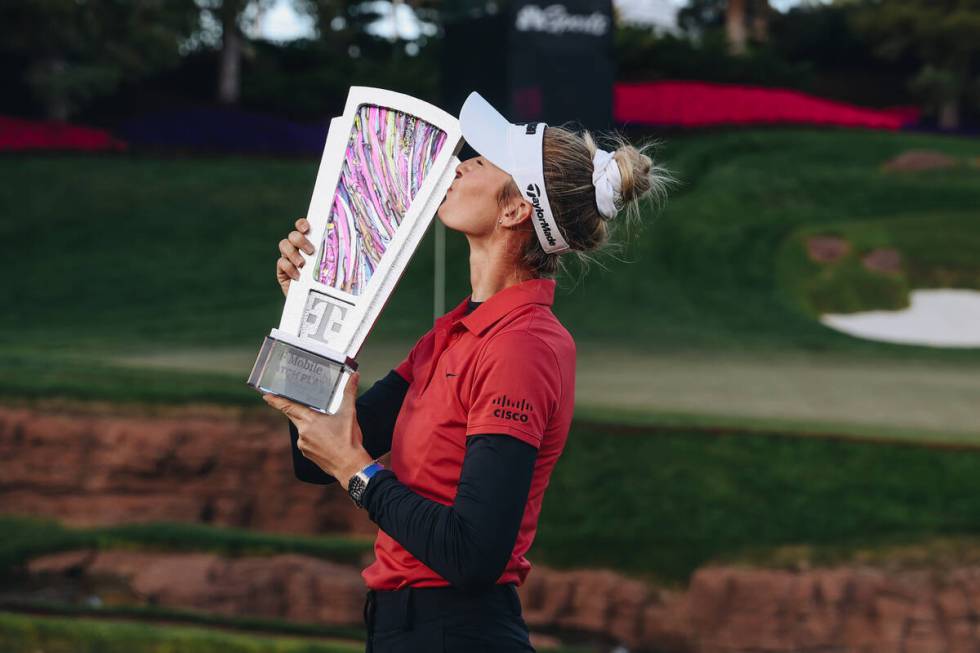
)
(735, 26)
(742, 20)
(77, 50)
(347, 22)
(223, 24)
(944, 36)
(697, 16)
(760, 20)
(230, 66)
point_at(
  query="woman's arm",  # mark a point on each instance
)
(469, 542)
(377, 410)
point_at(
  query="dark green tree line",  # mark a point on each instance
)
(75, 50)
(945, 37)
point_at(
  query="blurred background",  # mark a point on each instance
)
(780, 370)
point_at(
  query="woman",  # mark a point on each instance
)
(477, 414)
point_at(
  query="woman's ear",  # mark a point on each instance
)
(515, 211)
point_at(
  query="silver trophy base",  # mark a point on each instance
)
(300, 375)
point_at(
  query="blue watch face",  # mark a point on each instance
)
(373, 468)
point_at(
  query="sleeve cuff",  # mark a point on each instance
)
(404, 371)
(376, 481)
(533, 440)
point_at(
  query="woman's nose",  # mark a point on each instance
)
(463, 167)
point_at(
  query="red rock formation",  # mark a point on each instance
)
(826, 249)
(845, 609)
(226, 468)
(293, 587)
(726, 609)
(887, 260)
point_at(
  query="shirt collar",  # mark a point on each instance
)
(530, 291)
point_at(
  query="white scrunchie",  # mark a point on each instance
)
(608, 182)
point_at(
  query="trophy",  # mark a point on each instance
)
(387, 165)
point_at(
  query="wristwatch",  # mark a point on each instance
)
(358, 482)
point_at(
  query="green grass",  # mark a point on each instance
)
(147, 615)
(154, 613)
(26, 538)
(32, 634)
(78, 632)
(109, 256)
(27, 634)
(32, 374)
(682, 499)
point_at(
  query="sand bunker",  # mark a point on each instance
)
(940, 317)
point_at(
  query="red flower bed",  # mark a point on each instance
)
(18, 135)
(701, 104)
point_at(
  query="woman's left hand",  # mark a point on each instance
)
(332, 442)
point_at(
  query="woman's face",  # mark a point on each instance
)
(470, 206)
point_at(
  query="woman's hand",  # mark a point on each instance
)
(287, 267)
(332, 442)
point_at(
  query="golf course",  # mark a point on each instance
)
(741, 429)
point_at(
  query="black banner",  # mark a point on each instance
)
(535, 60)
(561, 62)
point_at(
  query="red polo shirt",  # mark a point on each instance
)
(507, 367)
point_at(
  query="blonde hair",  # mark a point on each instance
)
(568, 171)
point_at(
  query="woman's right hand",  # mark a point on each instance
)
(287, 267)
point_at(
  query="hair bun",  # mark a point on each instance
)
(640, 175)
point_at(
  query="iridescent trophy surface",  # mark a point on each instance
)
(387, 164)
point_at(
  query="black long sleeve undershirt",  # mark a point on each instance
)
(469, 542)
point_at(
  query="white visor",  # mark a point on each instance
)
(516, 149)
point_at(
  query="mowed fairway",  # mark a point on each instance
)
(794, 392)
(145, 279)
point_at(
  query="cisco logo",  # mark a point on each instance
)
(504, 406)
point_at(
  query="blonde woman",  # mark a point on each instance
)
(477, 414)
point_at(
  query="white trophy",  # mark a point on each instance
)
(387, 165)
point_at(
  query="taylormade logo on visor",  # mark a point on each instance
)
(535, 194)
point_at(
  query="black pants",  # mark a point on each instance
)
(445, 620)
